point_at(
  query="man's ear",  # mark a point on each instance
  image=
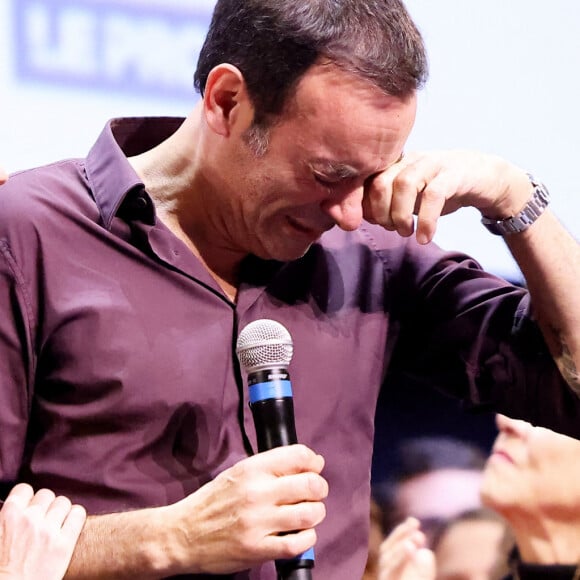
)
(226, 102)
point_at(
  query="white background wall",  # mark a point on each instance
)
(504, 79)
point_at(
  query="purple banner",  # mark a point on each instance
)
(110, 45)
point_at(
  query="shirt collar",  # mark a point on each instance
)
(111, 176)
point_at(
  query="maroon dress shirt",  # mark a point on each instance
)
(120, 384)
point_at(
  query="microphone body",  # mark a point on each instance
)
(272, 407)
(271, 402)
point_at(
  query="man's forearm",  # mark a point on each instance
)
(124, 545)
(215, 529)
(549, 258)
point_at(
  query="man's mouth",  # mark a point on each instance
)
(311, 232)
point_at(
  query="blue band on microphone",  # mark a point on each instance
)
(308, 555)
(276, 389)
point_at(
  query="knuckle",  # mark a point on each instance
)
(45, 535)
(432, 195)
(303, 518)
(318, 513)
(246, 527)
(246, 538)
(405, 180)
(247, 547)
(10, 510)
(375, 188)
(252, 493)
(44, 492)
(322, 512)
(294, 544)
(287, 549)
(237, 474)
(20, 488)
(378, 199)
(317, 486)
(398, 215)
(303, 453)
(402, 221)
(63, 501)
(380, 213)
(308, 515)
(79, 511)
(428, 222)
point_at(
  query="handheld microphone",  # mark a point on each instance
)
(264, 349)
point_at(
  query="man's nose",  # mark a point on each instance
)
(345, 209)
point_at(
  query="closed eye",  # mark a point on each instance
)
(325, 180)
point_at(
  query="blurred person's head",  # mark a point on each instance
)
(438, 478)
(471, 546)
(532, 479)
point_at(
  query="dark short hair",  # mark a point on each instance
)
(421, 455)
(481, 514)
(274, 42)
(418, 456)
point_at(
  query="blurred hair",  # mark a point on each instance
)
(274, 42)
(418, 456)
(474, 515)
(506, 546)
(424, 454)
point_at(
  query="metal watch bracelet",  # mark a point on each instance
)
(526, 217)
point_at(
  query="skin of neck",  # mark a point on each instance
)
(173, 176)
(546, 539)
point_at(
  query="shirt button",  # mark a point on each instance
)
(140, 202)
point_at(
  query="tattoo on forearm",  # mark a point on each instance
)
(568, 368)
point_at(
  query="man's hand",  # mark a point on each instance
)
(38, 533)
(403, 555)
(235, 521)
(3, 176)
(437, 183)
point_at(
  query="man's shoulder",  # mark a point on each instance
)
(39, 199)
(26, 190)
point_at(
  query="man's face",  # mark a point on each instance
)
(338, 133)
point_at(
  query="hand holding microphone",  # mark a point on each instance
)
(265, 349)
(267, 506)
(236, 521)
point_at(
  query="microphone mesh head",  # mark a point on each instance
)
(264, 343)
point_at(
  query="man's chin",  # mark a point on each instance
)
(286, 254)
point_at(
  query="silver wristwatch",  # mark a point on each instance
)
(525, 218)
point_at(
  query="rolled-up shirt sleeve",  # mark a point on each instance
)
(473, 336)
